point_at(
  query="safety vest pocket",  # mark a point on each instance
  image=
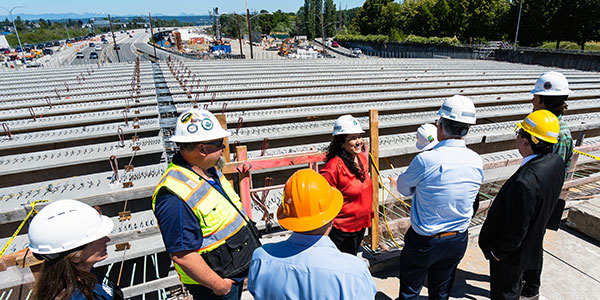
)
(232, 257)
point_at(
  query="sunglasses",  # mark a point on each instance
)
(217, 143)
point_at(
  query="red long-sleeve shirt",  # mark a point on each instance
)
(357, 210)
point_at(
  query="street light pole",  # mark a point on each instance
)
(322, 32)
(518, 23)
(249, 33)
(15, 27)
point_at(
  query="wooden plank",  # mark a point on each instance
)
(374, 145)
(244, 179)
(227, 151)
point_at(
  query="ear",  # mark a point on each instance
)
(201, 149)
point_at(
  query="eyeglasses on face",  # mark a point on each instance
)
(218, 143)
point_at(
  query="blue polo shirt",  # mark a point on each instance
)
(444, 182)
(179, 226)
(308, 267)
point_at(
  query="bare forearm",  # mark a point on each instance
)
(196, 268)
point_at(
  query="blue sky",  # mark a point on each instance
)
(120, 7)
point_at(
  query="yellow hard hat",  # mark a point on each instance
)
(541, 124)
(309, 202)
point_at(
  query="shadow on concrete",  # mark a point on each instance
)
(461, 289)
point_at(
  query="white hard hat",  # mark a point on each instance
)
(198, 125)
(346, 124)
(65, 225)
(552, 84)
(426, 137)
(458, 108)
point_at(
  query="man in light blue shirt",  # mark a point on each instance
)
(308, 265)
(444, 183)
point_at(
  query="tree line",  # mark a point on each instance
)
(481, 20)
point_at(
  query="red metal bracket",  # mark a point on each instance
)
(32, 113)
(125, 118)
(121, 137)
(224, 108)
(114, 166)
(49, 102)
(6, 130)
(239, 124)
(264, 146)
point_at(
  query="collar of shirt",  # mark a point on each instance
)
(450, 143)
(310, 240)
(528, 158)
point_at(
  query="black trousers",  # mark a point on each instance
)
(347, 242)
(434, 257)
(531, 282)
(200, 292)
(505, 280)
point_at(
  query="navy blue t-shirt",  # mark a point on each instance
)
(179, 226)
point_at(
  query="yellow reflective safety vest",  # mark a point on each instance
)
(218, 218)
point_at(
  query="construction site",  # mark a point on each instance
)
(100, 134)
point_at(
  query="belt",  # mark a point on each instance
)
(443, 234)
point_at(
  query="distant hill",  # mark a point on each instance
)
(197, 20)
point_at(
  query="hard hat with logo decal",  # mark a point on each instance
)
(65, 225)
(426, 137)
(309, 202)
(458, 108)
(541, 124)
(198, 125)
(347, 124)
(552, 84)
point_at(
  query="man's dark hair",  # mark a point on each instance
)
(186, 147)
(541, 148)
(555, 104)
(454, 129)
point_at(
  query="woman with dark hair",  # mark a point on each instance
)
(70, 236)
(346, 168)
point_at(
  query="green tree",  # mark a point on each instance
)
(330, 16)
(368, 20)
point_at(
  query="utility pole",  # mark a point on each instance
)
(237, 19)
(114, 39)
(217, 24)
(249, 32)
(67, 29)
(152, 35)
(322, 34)
(518, 23)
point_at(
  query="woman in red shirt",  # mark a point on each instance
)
(346, 169)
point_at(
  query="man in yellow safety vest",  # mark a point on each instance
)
(200, 216)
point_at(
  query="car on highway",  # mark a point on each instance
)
(98, 48)
(335, 44)
(48, 45)
(48, 51)
(79, 55)
(105, 42)
(57, 43)
(356, 51)
(93, 55)
(39, 46)
(92, 45)
(130, 36)
(117, 47)
(4, 51)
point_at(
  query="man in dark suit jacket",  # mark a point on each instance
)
(513, 232)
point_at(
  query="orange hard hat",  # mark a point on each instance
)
(309, 202)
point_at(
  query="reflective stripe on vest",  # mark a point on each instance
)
(217, 217)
